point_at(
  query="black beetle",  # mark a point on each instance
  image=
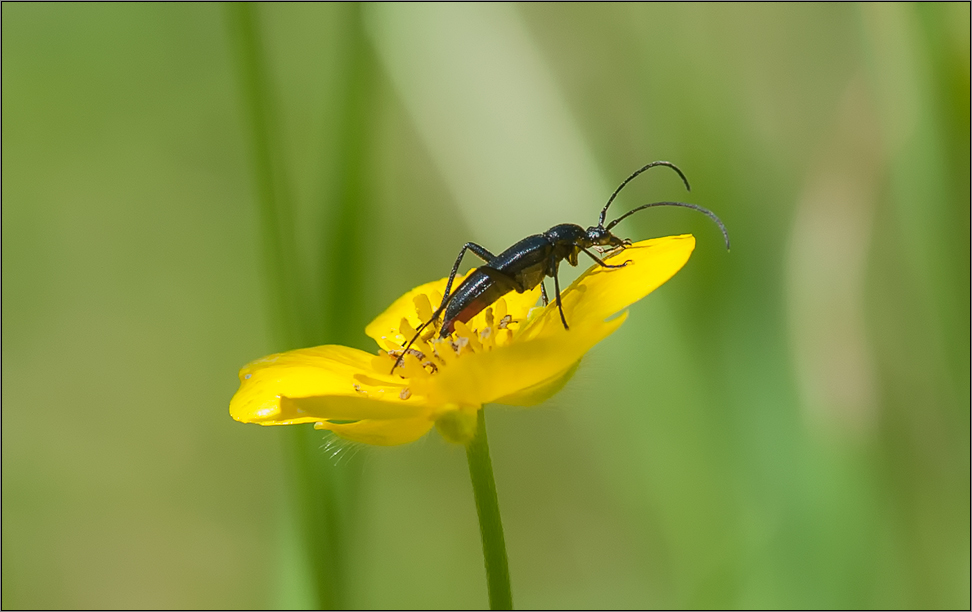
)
(524, 265)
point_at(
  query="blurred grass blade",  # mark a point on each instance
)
(346, 242)
(473, 74)
(276, 216)
(318, 484)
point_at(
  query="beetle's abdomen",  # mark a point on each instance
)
(474, 295)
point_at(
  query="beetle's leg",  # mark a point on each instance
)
(418, 332)
(543, 294)
(601, 262)
(480, 252)
(560, 307)
(500, 278)
(483, 254)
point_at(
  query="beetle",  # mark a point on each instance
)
(527, 263)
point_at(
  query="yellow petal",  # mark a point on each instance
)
(314, 384)
(506, 371)
(381, 433)
(601, 292)
(387, 322)
(541, 392)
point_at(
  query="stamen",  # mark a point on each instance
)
(461, 346)
(487, 338)
(422, 307)
(405, 394)
(500, 310)
(374, 382)
(422, 347)
(406, 329)
(463, 331)
(412, 367)
(489, 317)
(382, 361)
(505, 321)
(445, 350)
(391, 344)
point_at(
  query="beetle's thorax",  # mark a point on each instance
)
(565, 233)
(566, 241)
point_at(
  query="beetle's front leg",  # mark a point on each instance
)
(555, 273)
(601, 262)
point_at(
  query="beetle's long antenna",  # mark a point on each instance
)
(600, 222)
(704, 211)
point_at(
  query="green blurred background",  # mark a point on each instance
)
(189, 187)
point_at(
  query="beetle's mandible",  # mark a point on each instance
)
(527, 263)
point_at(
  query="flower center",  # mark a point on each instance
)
(494, 327)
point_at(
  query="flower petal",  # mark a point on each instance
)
(381, 433)
(601, 292)
(541, 392)
(507, 371)
(386, 324)
(314, 384)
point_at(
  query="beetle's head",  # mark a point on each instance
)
(600, 237)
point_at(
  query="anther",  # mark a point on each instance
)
(486, 336)
(445, 350)
(463, 331)
(461, 345)
(500, 311)
(422, 307)
(405, 328)
(412, 367)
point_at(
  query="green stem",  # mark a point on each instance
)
(490, 524)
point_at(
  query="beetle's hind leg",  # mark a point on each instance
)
(418, 332)
(481, 252)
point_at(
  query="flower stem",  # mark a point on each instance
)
(490, 524)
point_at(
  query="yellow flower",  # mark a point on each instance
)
(512, 353)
